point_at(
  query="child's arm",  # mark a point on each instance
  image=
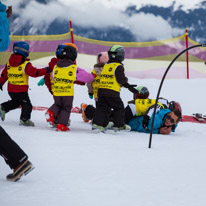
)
(34, 72)
(84, 76)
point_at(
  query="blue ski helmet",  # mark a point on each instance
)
(117, 52)
(21, 47)
(59, 49)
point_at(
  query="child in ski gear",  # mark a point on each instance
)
(111, 80)
(17, 72)
(165, 122)
(102, 58)
(139, 107)
(47, 80)
(5, 13)
(143, 94)
(64, 74)
(14, 156)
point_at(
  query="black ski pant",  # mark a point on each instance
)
(10, 151)
(19, 99)
(105, 104)
(90, 110)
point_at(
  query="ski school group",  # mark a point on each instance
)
(104, 84)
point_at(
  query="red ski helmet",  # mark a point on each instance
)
(175, 106)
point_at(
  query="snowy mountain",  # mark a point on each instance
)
(110, 20)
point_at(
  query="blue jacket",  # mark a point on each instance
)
(136, 123)
(4, 28)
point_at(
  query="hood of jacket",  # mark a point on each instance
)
(65, 62)
(15, 60)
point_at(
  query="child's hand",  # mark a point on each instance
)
(41, 82)
(90, 95)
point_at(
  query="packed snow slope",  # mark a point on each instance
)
(82, 168)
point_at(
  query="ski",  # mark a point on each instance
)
(198, 116)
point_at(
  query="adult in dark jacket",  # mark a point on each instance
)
(17, 72)
(111, 79)
(14, 156)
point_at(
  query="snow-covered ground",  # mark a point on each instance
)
(81, 168)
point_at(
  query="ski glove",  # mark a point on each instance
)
(1, 87)
(41, 82)
(48, 70)
(131, 88)
(145, 122)
(90, 95)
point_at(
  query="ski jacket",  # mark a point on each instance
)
(81, 75)
(64, 78)
(94, 86)
(48, 80)
(160, 116)
(16, 60)
(120, 78)
(108, 79)
(4, 28)
(139, 107)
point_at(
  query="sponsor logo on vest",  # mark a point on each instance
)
(107, 76)
(70, 73)
(97, 80)
(15, 75)
(61, 80)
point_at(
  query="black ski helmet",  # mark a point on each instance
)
(117, 52)
(143, 93)
(69, 52)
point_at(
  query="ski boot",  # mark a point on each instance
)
(50, 118)
(124, 128)
(22, 169)
(28, 122)
(98, 128)
(83, 107)
(61, 127)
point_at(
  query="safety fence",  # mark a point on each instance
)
(163, 50)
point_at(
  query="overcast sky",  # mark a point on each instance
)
(102, 13)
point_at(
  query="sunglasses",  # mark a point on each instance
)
(171, 119)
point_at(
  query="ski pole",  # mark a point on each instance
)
(158, 93)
